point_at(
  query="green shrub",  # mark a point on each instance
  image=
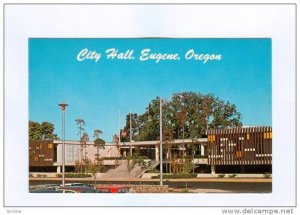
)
(267, 175)
(232, 176)
(185, 190)
(58, 175)
(177, 176)
(221, 175)
(122, 158)
(75, 175)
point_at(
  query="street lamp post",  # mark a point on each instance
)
(63, 108)
(160, 142)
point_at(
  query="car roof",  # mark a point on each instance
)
(76, 188)
(112, 186)
(44, 191)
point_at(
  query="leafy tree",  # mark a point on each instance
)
(47, 130)
(100, 144)
(131, 162)
(34, 131)
(95, 167)
(135, 123)
(187, 167)
(81, 124)
(187, 114)
(43, 131)
(83, 141)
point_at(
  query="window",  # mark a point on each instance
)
(50, 145)
(268, 135)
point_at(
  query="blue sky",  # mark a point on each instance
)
(97, 91)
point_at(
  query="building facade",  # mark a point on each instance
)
(240, 147)
(229, 150)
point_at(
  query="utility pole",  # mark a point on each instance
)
(160, 142)
(63, 108)
(130, 133)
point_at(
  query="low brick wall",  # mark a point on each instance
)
(150, 188)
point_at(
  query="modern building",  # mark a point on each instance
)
(229, 150)
(240, 149)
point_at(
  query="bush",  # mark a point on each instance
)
(58, 175)
(41, 176)
(267, 175)
(176, 176)
(221, 175)
(153, 170)
(74, 175)
(232, 176)
(185, 190)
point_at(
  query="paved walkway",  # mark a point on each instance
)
(238, 180)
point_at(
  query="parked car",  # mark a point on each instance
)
(78, 189)
(77, 185)
(44, 187)
(44, 191)
(114, 188)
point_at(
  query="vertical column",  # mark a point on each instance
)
(213, 169)
(202, 150)
(156, 153)
(242, 169)
(130, 149)
(58, 169)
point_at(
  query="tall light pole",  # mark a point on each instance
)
(63, 108)
(160, 142)
(130, 139)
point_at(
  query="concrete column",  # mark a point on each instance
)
(58, 169)
(157, 153)
(242, 169)
(130, 149)
(213, 169)
(167, 155)
(202, 150)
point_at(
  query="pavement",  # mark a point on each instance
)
(126, 179)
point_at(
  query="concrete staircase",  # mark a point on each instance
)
(121, 171)
(153, 165)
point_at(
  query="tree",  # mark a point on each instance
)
(116, 142)
(47, 130)
(34, 131)
(167, 136)
(187, 114)
(81, 124)
(100, 144)
(187, 166)
(83, 141)
(135, 123)
(131, 162)
(43, 131)
(95, 167)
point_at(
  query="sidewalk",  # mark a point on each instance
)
(238, 180)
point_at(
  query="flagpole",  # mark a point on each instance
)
(119, 128)
(130, 132)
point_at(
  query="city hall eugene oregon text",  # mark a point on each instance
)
(145, 55)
